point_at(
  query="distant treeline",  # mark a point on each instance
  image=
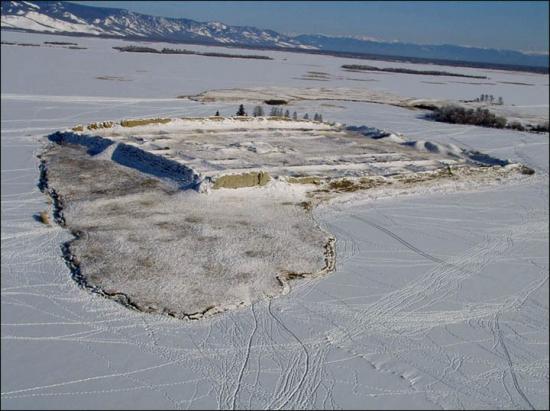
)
(9, 43)
(480, 117)
(408, 71)
(72, 46)
(140, 49)
(61, 43)
(460, 115)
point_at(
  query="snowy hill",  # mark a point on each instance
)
(65, 17)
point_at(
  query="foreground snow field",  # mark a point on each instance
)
(438, 300)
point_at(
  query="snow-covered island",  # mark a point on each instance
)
(193, 216)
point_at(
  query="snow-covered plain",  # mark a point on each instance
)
(438, 300)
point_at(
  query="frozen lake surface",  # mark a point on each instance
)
(438, 300)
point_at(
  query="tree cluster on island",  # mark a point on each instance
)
(482, 117)
(258, 111)
(489, 98)
(460, 115)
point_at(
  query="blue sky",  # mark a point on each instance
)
(516, 25)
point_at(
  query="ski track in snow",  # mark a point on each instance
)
(436, 302)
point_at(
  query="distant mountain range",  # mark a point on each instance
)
(435, 52)
(65, 17)
(57, 17)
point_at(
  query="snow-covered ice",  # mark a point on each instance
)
(439, 300)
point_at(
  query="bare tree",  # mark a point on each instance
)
(258, 111)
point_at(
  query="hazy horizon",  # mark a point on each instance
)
(514, 25)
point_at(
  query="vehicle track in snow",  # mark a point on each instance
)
(400, 239)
